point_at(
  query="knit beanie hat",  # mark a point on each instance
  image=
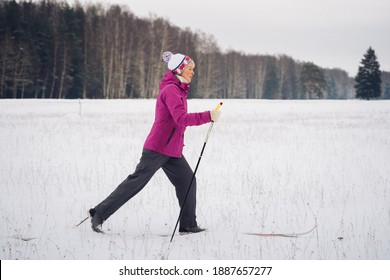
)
(176, 62)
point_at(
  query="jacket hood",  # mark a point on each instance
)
(170, 78)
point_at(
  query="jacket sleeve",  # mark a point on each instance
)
(177, 106)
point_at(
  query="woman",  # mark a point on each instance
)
(163, 147)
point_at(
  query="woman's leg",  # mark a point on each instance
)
(149, 163)
(180, 174)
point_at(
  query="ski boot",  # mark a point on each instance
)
(96, 221)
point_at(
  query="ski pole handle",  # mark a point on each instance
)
(219, 106)
(216, 109)
(212, 123)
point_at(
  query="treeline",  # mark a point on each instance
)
(49, 49)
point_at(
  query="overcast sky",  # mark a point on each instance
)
(330, 33)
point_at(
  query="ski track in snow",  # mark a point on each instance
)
(269, 167)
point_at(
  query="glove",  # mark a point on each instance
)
(215, 115)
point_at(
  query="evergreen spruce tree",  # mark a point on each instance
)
(368, 79)
(386, 94)
(312, 81)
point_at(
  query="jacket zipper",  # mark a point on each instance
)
(170, 136)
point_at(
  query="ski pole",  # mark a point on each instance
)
(193, 175)
(80, 222)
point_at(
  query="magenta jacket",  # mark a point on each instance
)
(171, 118)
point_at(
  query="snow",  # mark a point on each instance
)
(269, 167)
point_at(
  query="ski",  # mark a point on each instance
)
(23, 238)
(291, 235)
(181, 233)
(272, 234)
(163, 235)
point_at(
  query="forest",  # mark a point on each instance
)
(50, 49)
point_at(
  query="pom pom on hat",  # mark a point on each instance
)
(176, 62)
(167, 56)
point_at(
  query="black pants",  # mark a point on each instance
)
(177, 170)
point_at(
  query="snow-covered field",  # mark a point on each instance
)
(269, 167)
